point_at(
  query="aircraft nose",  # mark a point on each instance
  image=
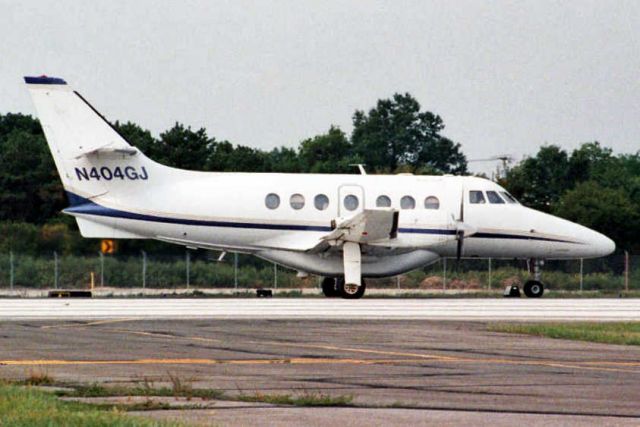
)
(600, 244)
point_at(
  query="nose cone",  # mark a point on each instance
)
(600, 244)
(584, 242)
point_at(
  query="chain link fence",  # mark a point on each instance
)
(202, 269)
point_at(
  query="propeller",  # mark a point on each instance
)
(462, 229)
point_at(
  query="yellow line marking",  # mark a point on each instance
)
(416, 357)
(586, 365)
(405, 357)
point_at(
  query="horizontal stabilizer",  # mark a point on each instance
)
(110, 149)
(94, 229)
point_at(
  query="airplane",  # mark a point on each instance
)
(344, 228)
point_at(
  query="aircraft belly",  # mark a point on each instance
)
(332, 264)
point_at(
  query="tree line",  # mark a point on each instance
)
(590, 185)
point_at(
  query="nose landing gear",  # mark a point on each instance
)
(534, 288)
(337, 287)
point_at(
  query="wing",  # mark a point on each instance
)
(370, 225)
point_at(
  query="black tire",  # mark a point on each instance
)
(533, 289)
(329, 288)
(351, 291)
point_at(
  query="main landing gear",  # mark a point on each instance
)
(534, 288)
(337, 287)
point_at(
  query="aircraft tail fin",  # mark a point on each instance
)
(92, 158)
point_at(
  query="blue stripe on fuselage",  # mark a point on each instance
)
(88, 207)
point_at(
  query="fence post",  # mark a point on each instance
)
(489, 273)
(581, 273)
(275, 275)
(12, 273)
(398, 281)
(235, 271)
(626, 271)
(188, 262)
(101, 269)
(444, 274)
(144, 269)
(56, 271)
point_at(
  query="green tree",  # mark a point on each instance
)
(540, 181)
(224, 157)
(30, 189)
(397, 133)
(11, 122)
(283, 159)
(140, 138)
(330, 152)
(607, 210)
(184, 148)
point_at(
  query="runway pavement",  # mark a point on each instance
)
(323, 308)
(417, 372)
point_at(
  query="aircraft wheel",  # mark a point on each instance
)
(349, 291)
(329, 287)
(533, 289)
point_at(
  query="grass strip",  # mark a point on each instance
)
(97, 390)
(624, 333)
(305, 399)
(30, 407)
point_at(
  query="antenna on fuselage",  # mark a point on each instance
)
(360, 167)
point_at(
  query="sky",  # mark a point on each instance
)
(505, 76)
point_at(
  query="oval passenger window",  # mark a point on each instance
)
(407, 202)
(383, 202)
(272, 201)
(321, 202)
(297, 201)
(351, 202)
(431, 202)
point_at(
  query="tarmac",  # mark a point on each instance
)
(416, 371)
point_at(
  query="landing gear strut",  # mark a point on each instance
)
(534, 288)
(350, 285)
(337, 287)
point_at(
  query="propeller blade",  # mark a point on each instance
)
(459, 230)
(460, 235)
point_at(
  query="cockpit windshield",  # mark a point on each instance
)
(494, 198)
(478, 197)
(508, 197)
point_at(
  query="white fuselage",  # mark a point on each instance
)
(228, 211)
